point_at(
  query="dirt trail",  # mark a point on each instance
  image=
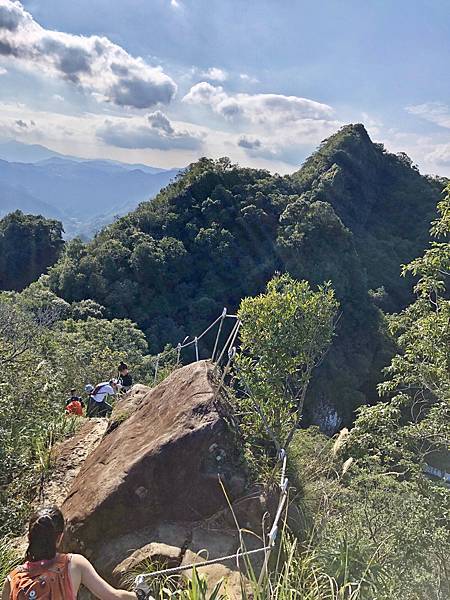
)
(69, 457)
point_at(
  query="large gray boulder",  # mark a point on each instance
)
(159, 468)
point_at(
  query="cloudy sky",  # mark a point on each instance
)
(262, 81)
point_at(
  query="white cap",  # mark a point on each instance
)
(89, 388)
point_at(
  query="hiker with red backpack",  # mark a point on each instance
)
(48, 574)
(74, 404)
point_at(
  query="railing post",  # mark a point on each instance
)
(224, 314)
(156, 369)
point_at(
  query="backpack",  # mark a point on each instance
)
(98, 388)
(74, 408)
(48, 580)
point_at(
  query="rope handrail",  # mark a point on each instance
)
(185, 343)
(281, 455)
(219, 331)
(174, 570)
(230, 341)
(199, 337)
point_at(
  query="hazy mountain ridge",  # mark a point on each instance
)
(16, 197)
(14, 151)
(80, 192)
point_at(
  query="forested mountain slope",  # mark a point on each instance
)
(353, 214)
(380, 197)
(28, 246)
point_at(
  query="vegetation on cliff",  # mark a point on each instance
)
(28, 246)
(44, 352)
(367, 522)
(370, 516)
(220, 232)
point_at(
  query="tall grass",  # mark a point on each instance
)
(8, 559)
(26, 461)
(295, 573)
(60, 427)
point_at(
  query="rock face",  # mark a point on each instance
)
(127, 405)
(68, 458)
(157, 470)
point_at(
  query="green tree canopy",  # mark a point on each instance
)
(414, 423)
(28, 246)
(284, 335)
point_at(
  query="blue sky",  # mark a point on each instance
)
(167, 81)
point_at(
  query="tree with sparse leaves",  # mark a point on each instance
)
(285, 334)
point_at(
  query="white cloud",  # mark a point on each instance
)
(430, 152)
(272, 127)
(78, 135)
(440, 155)
(58, 97)
(175, 4)
(156, 131)
(289, 145)
(215, 74)
(3, 71)
(92, 63)
(262, 109)
(159, 121)
(248, 78)
(435, 112)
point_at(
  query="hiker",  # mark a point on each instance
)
(97, 405)
(125, 378)
(74, 404)
(49, 574)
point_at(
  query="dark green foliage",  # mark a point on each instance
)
(387, 507)
(220, 232)
(413, 425)
(205, 242)
(381, 198)
(28, 246)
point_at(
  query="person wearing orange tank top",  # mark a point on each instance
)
(49, 574)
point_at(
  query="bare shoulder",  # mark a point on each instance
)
(79, 563)
(78, 558)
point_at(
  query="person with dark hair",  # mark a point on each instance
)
(125, 378)
(49, 574)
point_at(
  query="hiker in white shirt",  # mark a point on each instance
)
(98, 406)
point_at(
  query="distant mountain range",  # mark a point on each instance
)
(84, 194)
